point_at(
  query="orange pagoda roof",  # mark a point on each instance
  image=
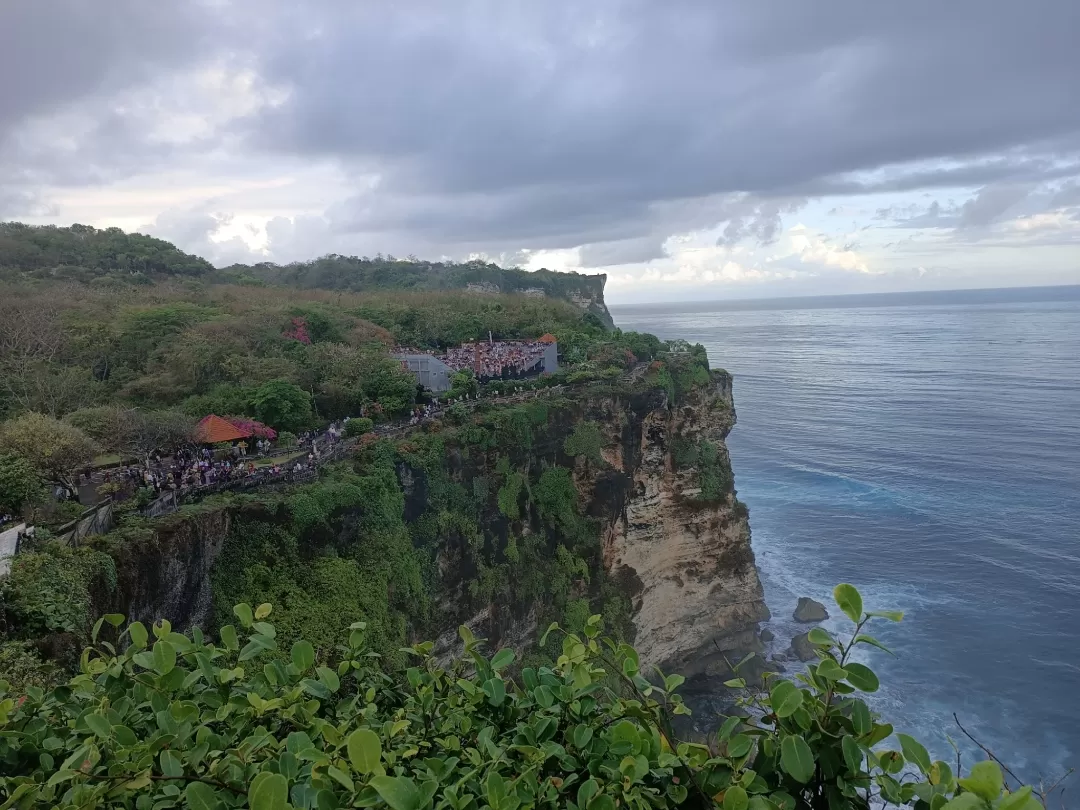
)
(548, 338)
(213, 429)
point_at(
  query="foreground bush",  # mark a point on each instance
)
(177, 721)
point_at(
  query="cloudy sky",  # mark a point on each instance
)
(687, 148)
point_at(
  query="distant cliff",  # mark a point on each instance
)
(365, 274)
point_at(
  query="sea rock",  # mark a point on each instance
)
(767, 635)
(803, 649)
(809, 610)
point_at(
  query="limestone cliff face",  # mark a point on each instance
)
(698, 597)
(681, 554)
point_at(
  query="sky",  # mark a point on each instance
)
(689, 149)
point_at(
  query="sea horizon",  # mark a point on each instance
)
(974, 295)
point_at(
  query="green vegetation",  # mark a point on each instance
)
(713, 468)
(387, 273)
(20, 484)
(181, 720)
(49, 591)
(324, 580)
(585, 441)
(84, 253)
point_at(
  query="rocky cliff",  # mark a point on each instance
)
(673, 536)
(698, 599)
(615, 497)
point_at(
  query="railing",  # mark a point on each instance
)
(97, 519)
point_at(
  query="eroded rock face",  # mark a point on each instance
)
(698, 599)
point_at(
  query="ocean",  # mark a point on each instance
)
(925, 448)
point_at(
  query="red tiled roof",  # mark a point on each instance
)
(213, 429)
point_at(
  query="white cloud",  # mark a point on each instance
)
(816, 248)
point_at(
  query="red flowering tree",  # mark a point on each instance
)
(298, 331)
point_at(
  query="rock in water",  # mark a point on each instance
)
(803, 649)
(810, 611)
(767, 635)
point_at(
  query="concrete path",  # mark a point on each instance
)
(8, 540)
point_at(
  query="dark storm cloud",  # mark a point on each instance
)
(623, 103)
(501, 124)
(57, 52)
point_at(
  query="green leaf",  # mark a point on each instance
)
(914, 752)
(139, 635)
(503, 658)
(819, 636)
(400, 792)
(303, 655)
(849, 600)
(99, 725)
(340, 777)
(797, 759)
(255, 646)
(263, 610)
(891, 615)
(495, 690)
(739, 746)
(115, 619)
(729, 726)
(582, 736)
(329, 678)
(200, 796)
(268, 791)
(551, 627)
(164, 657)
(985, 780)
(735, 798)
(243, 613)
(365, 751)
(831, 671)
(171, 764)
(264, 629)
(1017, 800)
(862, 638)
(878, 732)
(786, 698)
(965, 801)
(860, 717)
(228, 637)
(862, 677)
(853, 755)
(588, 789)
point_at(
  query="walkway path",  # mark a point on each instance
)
(9, 542)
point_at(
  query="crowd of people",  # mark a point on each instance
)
(498, 359)
(197, 467)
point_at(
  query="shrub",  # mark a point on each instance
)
(585, 441)
(358, 426)
(286, 439)
(178, 720)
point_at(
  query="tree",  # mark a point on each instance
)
(20, 483)
(134, 431)
(282, 405)
(55, 448)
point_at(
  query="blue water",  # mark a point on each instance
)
(930, 454)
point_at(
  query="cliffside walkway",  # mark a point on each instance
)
(98, 518)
